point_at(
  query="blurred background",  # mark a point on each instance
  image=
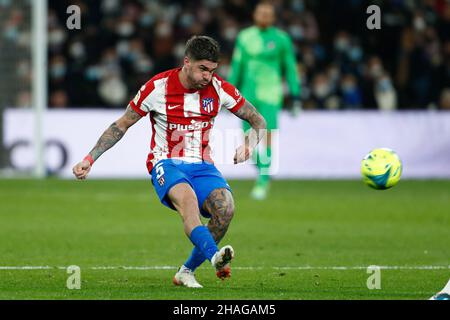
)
(121, 44)
(403, 68)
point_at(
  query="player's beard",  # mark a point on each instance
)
(196, 84)
(199, 84)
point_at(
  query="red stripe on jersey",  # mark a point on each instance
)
(137, 110)
(152, 144)
(208, 114)
(234, 93)
(239, 105)
(145, 90)
(143, 93)
(206, 149)
(175, 115)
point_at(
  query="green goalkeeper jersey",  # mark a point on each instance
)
(260, 59)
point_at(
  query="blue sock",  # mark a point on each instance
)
(203, 240)
(195, 260)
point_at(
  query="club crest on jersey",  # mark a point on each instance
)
(208, 104)
(161, 181)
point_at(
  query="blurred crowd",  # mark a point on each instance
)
(15, 53)
(343, 64)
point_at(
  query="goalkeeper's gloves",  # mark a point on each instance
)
(296, 106)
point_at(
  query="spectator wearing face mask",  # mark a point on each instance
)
(413, 45)
(385, 93)
(322, 94)
(372, 73)
(350, 92)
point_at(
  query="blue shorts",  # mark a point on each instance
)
(203, 177)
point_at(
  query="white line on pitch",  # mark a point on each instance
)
(235, 268)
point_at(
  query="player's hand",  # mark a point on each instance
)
(81, 169)
(296, 107)
(243, 153)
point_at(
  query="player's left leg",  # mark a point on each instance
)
(220, 205)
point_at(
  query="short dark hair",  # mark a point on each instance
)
(202, 47)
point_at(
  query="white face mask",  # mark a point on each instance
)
(298, 5)
(355, 53)
(144, 65)
(58, 70)
(125, 29)
(113, 91)
(147, 20)
(230, 33)
(376, 70)
(179, 51)
(296, 31)
(186, 20)
(348, 87)
(163, 30)
(77, 50)
(419, 24)
(56, 37)
(321, 90)
(384, 85)
(342, 44)
(109, 6)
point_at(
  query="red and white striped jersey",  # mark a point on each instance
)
(181, 119)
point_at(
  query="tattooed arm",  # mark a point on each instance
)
(256, 133)
(109, 138)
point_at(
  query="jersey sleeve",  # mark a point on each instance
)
(290, 67)
(230, 97)
(141, 102)
(237, 63)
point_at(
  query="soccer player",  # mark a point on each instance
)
(262, 53)
(182, 105)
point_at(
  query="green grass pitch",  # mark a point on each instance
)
(308, 240)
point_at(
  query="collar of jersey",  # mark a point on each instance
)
(179, 84)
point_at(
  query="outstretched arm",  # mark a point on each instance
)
(249, 113)
(108, 139)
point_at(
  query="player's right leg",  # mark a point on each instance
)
(219, 205)
(184, 199)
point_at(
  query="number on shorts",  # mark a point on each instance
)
(159, 171)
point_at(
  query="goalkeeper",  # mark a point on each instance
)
(261, 55)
